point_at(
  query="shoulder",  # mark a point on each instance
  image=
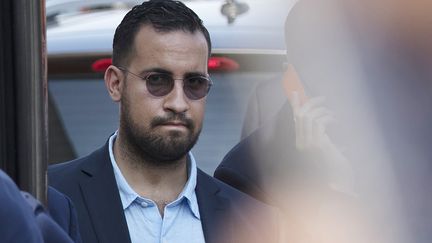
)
(9, 192)
(267, 150)
(67, 176)
(232, 194)
(65, 167)
(71, 169)
(17, 214)
(254, 220)
(240, 167)
(10, 195)
(64, 174)
(6, 182)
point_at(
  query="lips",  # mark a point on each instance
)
(174, 123)
(173, 120)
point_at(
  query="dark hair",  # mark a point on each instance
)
(162, 15)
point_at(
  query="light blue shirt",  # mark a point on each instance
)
(181, 221)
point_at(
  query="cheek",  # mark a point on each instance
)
(140, 108)
(198, 113)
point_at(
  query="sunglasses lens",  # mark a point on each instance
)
(159, 84)
(196, 88)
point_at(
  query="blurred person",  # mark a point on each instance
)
(398, 57)
(21, 223)
(347, 51)
(143, 185)
(281, 120)
(24, 219)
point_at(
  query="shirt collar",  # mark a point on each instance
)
(189, 189)
(128, 195)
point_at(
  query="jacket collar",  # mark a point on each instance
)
(214, 210)
(104, 206)
(102, 198)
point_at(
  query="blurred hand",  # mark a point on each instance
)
(311, 120)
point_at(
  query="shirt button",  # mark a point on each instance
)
(144, 204)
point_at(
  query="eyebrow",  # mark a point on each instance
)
(155, 70)
(164, 71)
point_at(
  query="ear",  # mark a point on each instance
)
(114, 81)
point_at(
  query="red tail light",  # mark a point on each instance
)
(101, 65)
(214, 64)
(222, 64)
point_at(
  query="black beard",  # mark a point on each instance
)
(155, 149)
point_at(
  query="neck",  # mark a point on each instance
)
(160, 183)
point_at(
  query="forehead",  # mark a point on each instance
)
(169, 48)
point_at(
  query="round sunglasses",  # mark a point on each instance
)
(161, 84)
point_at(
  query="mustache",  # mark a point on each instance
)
(173, 117)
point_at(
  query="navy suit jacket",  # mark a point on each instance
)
(91, 185)
(61, 209)
(17, 220)
(270, 152)
(24, 219)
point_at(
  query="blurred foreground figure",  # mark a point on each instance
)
(24, 220)
(18, 221)
(371, 60)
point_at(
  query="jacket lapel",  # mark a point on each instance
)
(214, 210)
(102, 198)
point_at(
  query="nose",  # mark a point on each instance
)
(176, 101)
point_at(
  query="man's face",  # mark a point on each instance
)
(163, 129)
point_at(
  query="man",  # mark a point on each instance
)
(143, 184)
